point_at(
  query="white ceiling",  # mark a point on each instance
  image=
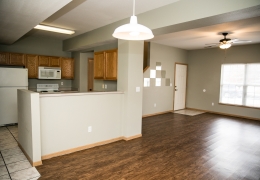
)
(86, 15)
(247, 29)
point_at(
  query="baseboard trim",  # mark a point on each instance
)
(132, 137)
(225, 114)
(148, 115)
(37, 163)
(89, 146)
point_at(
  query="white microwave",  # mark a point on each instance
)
(49, 73)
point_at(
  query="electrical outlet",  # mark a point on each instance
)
(137, 89)
(90, 129)
(212, 104)
(105, 86)
(61, 83)
(154, 105)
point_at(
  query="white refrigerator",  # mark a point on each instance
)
(11, 79)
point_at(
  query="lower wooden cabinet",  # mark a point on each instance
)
(17, 59)
(4, 58)
(32, 65)
(67, 68)
(105, 65)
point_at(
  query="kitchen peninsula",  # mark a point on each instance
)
(51, 125)
(60, 123)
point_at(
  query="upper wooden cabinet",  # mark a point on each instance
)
(99, 65)
(33, 61)
(4, 58)
(67, 68)
(105, 65)
(111, 65)
(54, 61)
(17, 59)
(32, 65)
(43, 61)
(49, 61)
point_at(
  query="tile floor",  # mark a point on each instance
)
(13, 163)
(189, 112)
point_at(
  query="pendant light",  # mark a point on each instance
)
(133, 30)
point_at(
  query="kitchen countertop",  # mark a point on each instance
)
(69, 93)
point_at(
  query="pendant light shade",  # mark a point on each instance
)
(133, 30)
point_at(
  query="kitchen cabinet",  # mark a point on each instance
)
(105, 65)
(32, 65)
(99, 65)
(54, 61)
(49, 61)
(67, 68)
(17, 59)
(43, 61)
(4, 58)
(111, 65)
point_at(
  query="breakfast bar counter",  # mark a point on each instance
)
(55, 124)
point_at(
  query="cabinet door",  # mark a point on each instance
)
(32, 65)
(17, 59)
(99, 64)
(43, 61)
(4, 58)
(111, 65)
(54, 61)
(67, 68)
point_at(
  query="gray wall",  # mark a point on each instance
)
(161, 95)
(41, 46)
(204, 73)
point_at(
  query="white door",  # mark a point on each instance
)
(180, 86)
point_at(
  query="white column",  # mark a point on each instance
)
(130, 78)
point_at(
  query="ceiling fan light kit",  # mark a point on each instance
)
(225, 43)
(133, 30)
(54, 29)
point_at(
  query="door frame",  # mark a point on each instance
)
(92, 71)
(175, 82)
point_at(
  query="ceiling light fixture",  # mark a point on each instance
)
(225, 45)
(54, 29)
(133, 30)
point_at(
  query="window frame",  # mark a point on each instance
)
(244, 87)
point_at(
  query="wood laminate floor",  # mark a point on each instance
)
(173, 146)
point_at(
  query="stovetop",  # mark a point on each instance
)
(47, 88)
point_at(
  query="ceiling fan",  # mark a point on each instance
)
(226, 42)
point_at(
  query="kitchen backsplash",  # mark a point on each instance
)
(67, 84)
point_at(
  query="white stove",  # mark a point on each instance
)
(48, 88)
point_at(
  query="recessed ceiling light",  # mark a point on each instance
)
(54, 29)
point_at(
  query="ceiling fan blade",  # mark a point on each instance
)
(242, 41)
(234, 40)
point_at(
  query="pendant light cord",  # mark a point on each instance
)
(134, 8)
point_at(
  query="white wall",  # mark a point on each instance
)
(29, 132)
(65, 120)
(161, 95)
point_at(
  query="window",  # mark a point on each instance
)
(240, 84)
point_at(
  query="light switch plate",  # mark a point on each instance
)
(137, 89)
